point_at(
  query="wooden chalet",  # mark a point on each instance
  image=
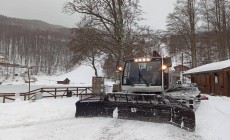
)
(213, 78)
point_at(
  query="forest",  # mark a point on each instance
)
(201, 30)
(33, 43)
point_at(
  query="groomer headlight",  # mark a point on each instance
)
(120, 68)
(164, 67)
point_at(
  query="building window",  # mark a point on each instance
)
(216, 79)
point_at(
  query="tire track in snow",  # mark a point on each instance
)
(35, 123)
(181, 134)
(112, 130)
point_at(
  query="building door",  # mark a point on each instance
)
(228, 83)
(212, 83)
(208, 83)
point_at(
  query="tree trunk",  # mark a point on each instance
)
(191, 9)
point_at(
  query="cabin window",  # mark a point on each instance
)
(216, 79)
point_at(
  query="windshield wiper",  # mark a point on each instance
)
(141, 76)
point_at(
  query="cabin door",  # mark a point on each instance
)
(228, 82)
(207, 84)
(212, 83)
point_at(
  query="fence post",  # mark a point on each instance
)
(67, 92)
(4, 99)
(55, 92)
(42, 91)
(24, 96)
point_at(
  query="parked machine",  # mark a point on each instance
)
(148, 75)
(141, 95)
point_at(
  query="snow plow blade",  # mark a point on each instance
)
(142, 107)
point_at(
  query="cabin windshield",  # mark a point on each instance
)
(148, 73)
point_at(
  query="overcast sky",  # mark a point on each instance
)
(51, 11)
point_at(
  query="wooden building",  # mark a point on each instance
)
(213, 78)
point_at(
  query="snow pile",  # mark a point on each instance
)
(210, 67)
(115, 113)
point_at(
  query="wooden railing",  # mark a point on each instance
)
(49, 92)
(9, 96)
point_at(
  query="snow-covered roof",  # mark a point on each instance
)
(210, 67)
(2, 57)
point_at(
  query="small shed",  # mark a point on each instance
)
(213, 78)
(66, 81)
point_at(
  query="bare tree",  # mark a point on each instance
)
(215, 17)
(219, 22)
(182, 22)
(117, 19)
(85, 45)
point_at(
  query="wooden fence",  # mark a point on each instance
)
(49, 92)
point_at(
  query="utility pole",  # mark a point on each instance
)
(162, 73)
(182, 71)
(29, 83)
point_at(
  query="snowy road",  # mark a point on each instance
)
(50, 119)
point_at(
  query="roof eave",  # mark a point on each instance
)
(202, 72)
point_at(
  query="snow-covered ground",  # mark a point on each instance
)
(53, 119)
(50, 119)
(81, 76)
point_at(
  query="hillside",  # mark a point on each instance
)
(35, 43)
(29, 24)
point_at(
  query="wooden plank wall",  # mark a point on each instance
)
(217, 83)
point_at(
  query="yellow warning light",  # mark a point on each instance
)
(143, 59)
